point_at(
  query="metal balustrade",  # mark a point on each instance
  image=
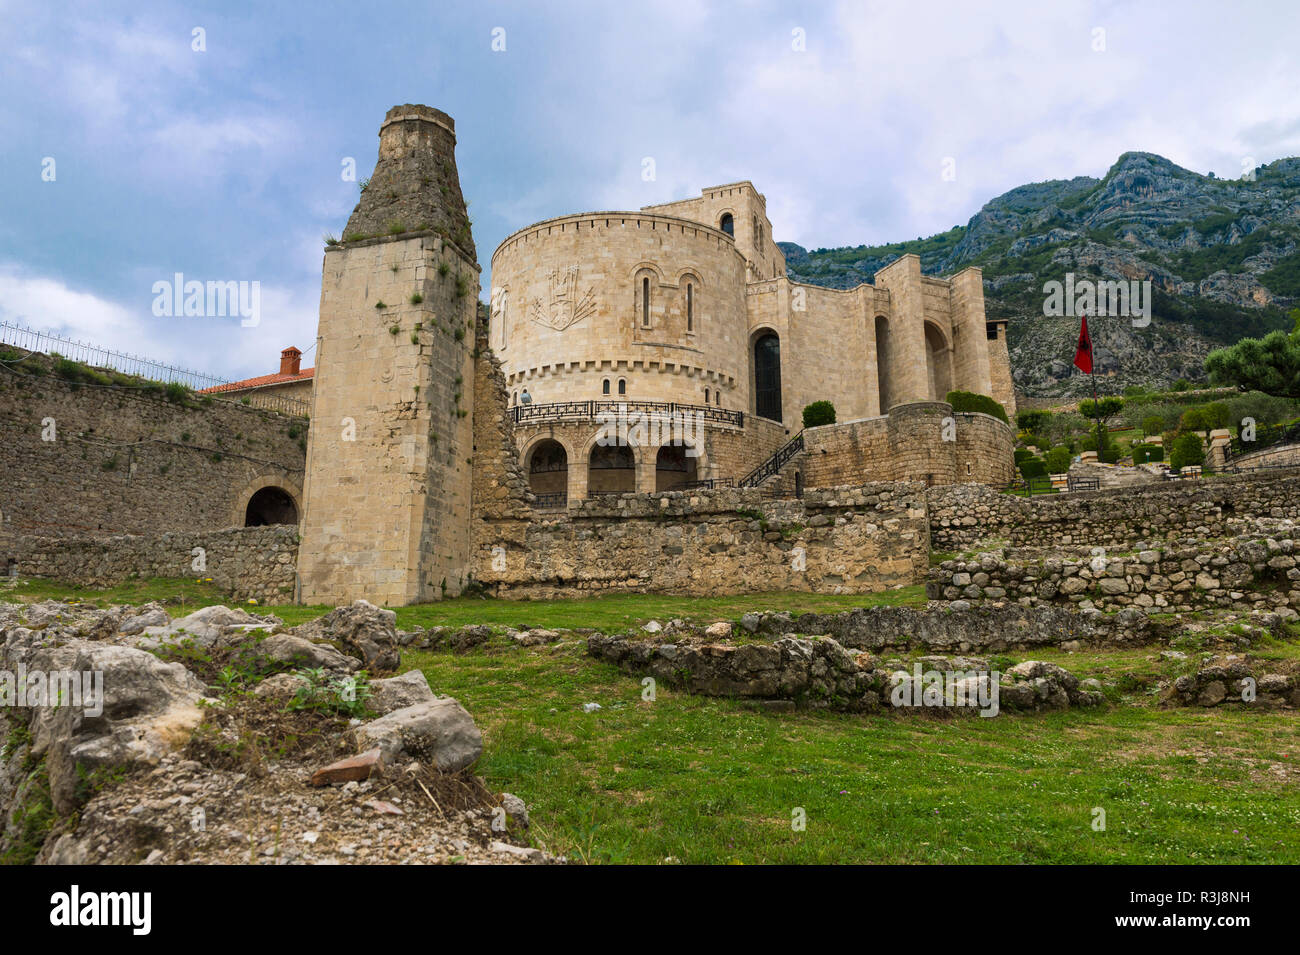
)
(561, 410)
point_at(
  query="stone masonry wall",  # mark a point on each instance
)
(247, 562)
(909, 445)
(122, 460)
(964, 514)
(1243, 574)
(841, 540)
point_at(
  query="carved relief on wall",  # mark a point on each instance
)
(566, 307)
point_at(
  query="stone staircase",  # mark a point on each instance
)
(775, 477)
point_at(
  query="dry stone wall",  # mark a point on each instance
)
(246, 562)
(725, 541)
(1241, 574)
(963, 515)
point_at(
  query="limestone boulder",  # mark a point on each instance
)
(440, 733)
(361, 630)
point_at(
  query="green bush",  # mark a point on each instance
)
(1142, 453)
(1152, 424)
(1034, 467)
(1187, 450)
(1182, 384)
(1217, 414)
(1021, 455)
(969, 401)
(1058, 460)
(1032, 421)
(818, 413)
(1193, 419)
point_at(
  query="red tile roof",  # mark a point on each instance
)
(261, 381)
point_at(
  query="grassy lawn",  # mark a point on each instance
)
(706, 780)
(610, 612)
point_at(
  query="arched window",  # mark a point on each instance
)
(767, 376)
(706, 396)
(611, 469)
(690, 306)
(645, 302)
(622, 386)
(728, 224)
(717, 397)
(604, 387)
(548, 473)
(674, 466)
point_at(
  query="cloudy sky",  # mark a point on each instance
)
(224, 163)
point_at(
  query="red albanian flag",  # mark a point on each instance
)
(1083, 354)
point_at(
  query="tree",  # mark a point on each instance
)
(1153, 424)
(1270, 364)
(1058, 460)
(1103, 408)
(818, 413)
(1218, 415)
(1193, 419)
(1187, 450)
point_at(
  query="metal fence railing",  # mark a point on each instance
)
(30, 340)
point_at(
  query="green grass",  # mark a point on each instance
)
(706, 780)
(611, 612)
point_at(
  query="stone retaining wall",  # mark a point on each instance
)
(724, 541)
(1241, 574)
(247, 562)
(963, 515)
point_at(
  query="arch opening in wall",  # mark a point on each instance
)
(938, 363)
(674, 466)
(270, 505)
(884, 365)
(548, 471)
(611, 469)
(767, 376)
(727, 224)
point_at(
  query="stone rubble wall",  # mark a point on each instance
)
(723, 541)
(976, 629)
(122, 460)
(1242, 574)
(963, 515)
(247, 562)
(819, 673)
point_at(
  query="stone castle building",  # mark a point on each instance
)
(624, 352)
(625, 414)
(686, 307)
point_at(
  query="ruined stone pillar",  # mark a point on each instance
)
(387, 495)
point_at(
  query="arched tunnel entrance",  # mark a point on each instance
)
(270, 505)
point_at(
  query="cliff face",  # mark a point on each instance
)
(1222, 256)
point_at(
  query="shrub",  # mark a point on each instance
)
(1021, 455)
(818, 413)
(1217, 414)
(1033, 468)
(1193, 419)
(1187, 450)
(1182, 384)
(1032, 421)
(969, 401)
(1058, 460)
(1142, 453)
(1152, 424)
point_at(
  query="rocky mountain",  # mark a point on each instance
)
(1222, 257)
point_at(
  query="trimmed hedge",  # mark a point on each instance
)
(1142, 453)
(818, 413)
(969, 401)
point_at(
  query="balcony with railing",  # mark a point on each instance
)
(526, 414)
